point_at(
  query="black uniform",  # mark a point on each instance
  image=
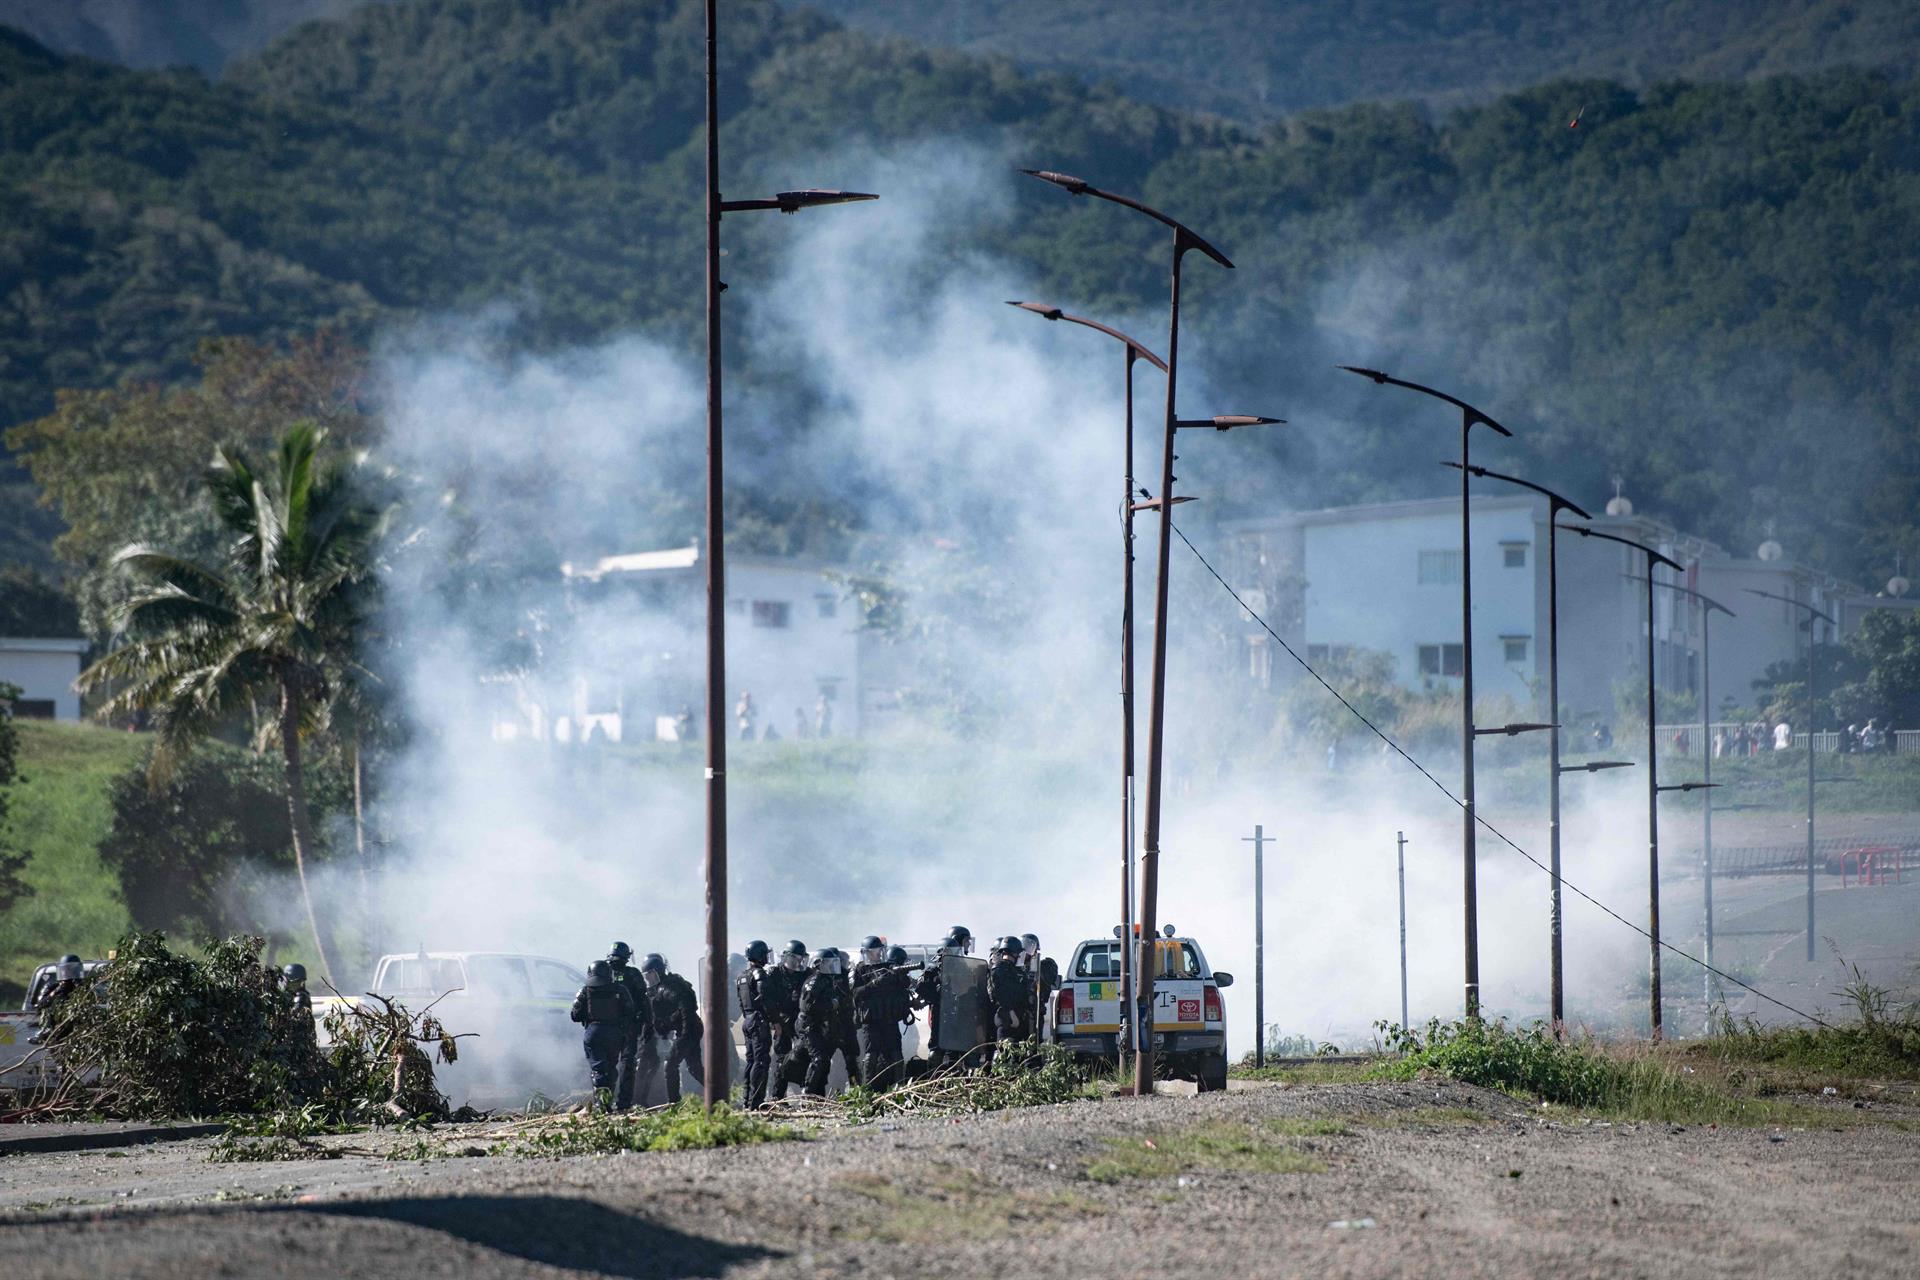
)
(606, 1014)
(1011, 992)
(676, 1019)
(637, 1057)
(846, 1036)
(816, 1029)
(926, 995)
(880, 996)
(780, 999)
(752, 989)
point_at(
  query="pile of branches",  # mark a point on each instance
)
(1023, 1076)
(163, 1034)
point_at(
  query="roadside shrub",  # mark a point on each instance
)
(685, 1126)
(1491, 1054)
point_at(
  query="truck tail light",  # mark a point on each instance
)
(1063, 1008)
(1213, 1004)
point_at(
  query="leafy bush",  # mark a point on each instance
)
(1040, 1076)
(685, 1126)
(1531, 1061)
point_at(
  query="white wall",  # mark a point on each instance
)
(787, 667)
(44, 669)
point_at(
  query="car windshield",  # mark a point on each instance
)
(1102, 960)
(415, 975)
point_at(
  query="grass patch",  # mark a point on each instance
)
(59, 812)
(1636, 1084)
(1309, 1127)
(1882, 1044)
(685, 1126)
(951, 1205)
(1215, 1147)
(1423, 1118)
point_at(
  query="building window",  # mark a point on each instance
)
(33, 708)
(1439, 567)
(826, 605)
(1513, 555)
(1442, 659)
(1514, 648)
(772, 613)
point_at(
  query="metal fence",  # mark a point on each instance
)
(1834, 856)
(1686, 740)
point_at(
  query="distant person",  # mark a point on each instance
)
(802, 727)
(1333, 757)
(823, 717)
(1851, 739)
(744, 716)
(1602, 736)
(1783, 736)
(683, 724)
(1756, 738)
(772, 734)
(1870, 736)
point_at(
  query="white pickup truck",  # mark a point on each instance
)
(1189, 1014)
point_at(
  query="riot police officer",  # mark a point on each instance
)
(880, 995)
(846, 1037)
(67, 977)
(756, 1020)
(606, 1013)
(1010, 992)
(1044, 972)
(637, 1056)
(817, 1027)
(676, 1019)
(926, 995)
(780, 997)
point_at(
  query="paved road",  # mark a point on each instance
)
(1432, 1180)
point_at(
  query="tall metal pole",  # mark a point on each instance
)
(1556, 971)
(1157, 706)
(1400, 855)
(718, 1043)
(1653, 828)
(1706, 794)
(1259, 843)
(1126, 735)
(1812, 693)
(1468, 854)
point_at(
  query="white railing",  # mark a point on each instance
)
(1685, 740)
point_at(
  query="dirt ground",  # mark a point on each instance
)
(1424, 1179)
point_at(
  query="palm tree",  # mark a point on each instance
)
(275, 623)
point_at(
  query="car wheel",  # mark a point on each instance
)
(1213, 1073)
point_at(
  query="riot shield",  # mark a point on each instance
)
(966, 1017)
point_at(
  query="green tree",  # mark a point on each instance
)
(276, 619)
(30, 605)
(1885, 683)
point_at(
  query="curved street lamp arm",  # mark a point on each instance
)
(1054, 313)
(1188, 237)
(1755, 591)
(1558, 503)
(1387, 380)
(1708, 601)
(1653, 557)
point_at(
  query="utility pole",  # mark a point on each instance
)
(1813, 646)
(1259, 842)
(1401, 839)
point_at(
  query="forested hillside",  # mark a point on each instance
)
(1258, 59)
(1709, 288)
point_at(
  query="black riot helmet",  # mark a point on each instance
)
(1030, 943)
(600, 974)
(70, 958)
(620, 954)
(794, 955)
(295, 974)
(653, 968)
(757, 952)
(1010, 947)
(959, 939)
(874, 949)
(896, 955)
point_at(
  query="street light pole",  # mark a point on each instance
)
(1555, 505)
(1653, 780)
(717, 1047)
(1469, 418)
(1259, 842)
(1812, 646)
(1135, 352)
(1184, 239)
(1707, 607)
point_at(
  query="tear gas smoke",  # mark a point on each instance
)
(949, 419)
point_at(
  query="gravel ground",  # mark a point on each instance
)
(1417, 1179)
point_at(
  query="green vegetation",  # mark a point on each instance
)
(686, 1126)
(1254, 59)
(1699, 272)
(1882, 1044)
(59, 811)
(1306, 1073)
(1045, 1075)
(1216, 1146)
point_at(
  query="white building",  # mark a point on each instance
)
(1386, 577)
(639, 652)
(45, 670)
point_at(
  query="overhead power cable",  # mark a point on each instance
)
(1478, 818)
